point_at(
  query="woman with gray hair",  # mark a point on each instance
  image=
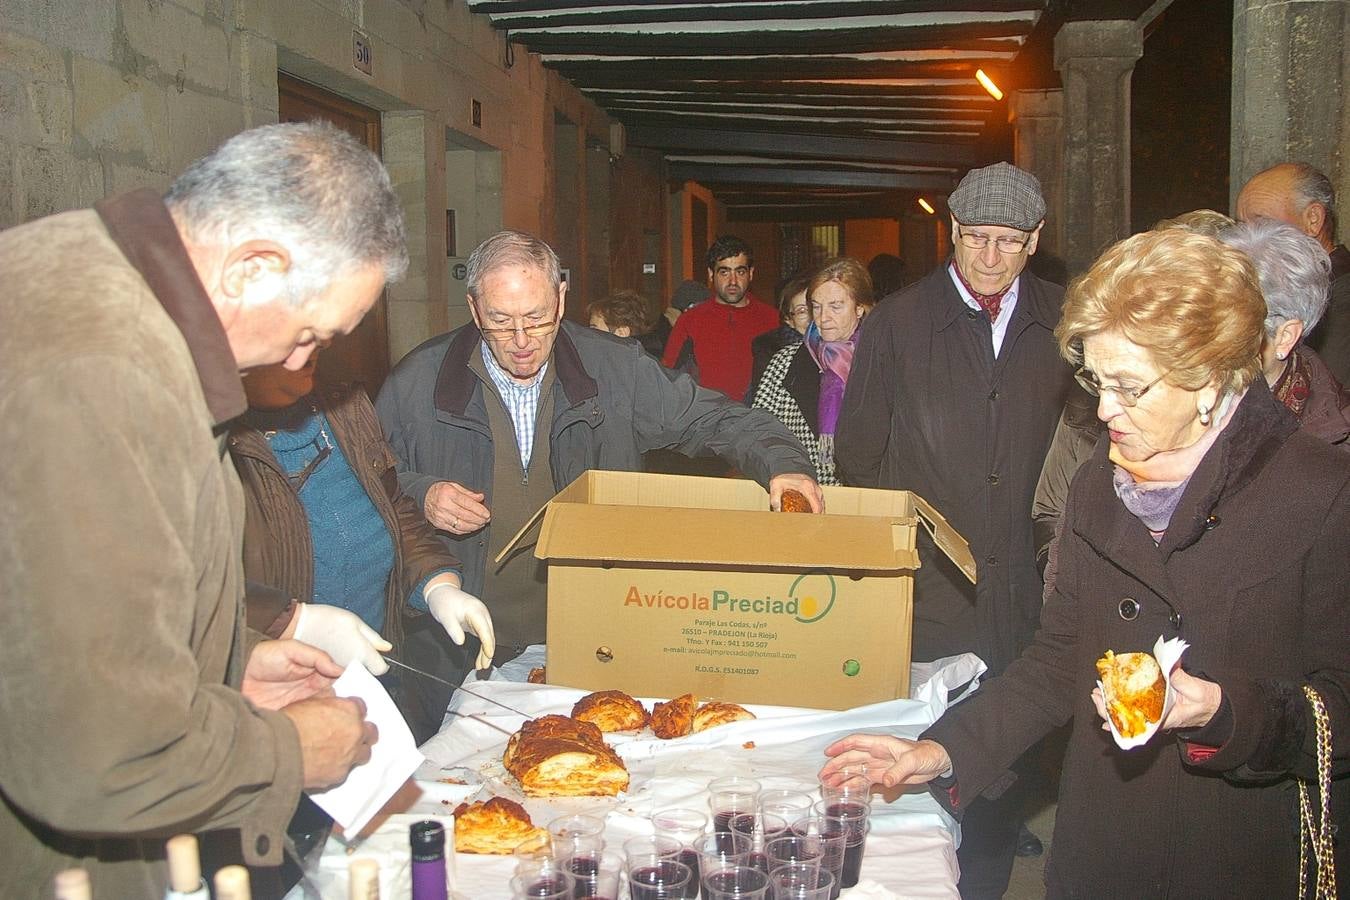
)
(1295, 274)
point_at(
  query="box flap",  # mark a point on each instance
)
(725, 538)
(945, 536)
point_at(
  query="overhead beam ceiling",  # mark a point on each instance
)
(830, 102)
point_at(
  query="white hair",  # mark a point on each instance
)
(308, 186)
(1294, 270)
(507, 248)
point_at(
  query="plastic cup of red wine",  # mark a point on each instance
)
(729, 797)
(727, 881)
(685, 826)
(791, 805)
(832, 837)
(852, 779)
(598, 874)
(720, 849)
(795, 848)
(658, 878)
(759, 829)
(556, 885)
(801, 881)
(854, 817)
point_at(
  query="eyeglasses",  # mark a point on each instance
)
(1125, 396)
(505, 334)
(1005, 243)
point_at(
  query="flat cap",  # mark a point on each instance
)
(1001, 194)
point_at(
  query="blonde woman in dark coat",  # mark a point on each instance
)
(1208, 515)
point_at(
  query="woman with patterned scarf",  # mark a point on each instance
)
(803, 385)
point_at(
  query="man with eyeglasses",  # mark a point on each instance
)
(721, 332)
(492, 419)
(955, 391)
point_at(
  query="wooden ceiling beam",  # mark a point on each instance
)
(515, 13)
(710, 175)
(824, 38)
(805, 145)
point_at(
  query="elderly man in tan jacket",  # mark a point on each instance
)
(133, 703)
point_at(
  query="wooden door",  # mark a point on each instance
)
(363, 355)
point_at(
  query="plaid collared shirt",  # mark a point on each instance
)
(521, 402)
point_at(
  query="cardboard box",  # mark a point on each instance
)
(660, 585)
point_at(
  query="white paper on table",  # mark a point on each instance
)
(393, 758)
(1168, 654)
(786, 752)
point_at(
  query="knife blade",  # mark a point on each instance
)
(459, 687)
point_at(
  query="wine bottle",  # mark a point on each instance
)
(232, 884)
(428, 861)
(185, 870)
(363, 880)
(72, 884)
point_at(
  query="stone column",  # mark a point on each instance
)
(1037, 118)
(414, 154)
(1095, 61)
(1290, 102)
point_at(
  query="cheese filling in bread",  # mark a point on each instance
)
(554, 756)
(497, 826)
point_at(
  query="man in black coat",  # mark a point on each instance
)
(954, 394)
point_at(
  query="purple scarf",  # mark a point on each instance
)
(834, 358)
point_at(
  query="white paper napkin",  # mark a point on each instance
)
(1168, 654)
(393, 758)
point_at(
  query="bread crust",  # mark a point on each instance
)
(674, 718)
(555, 756)
(718, 712)
(497, 826)
(611, 711)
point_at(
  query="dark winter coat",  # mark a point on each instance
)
(611, 403)
(1251, 573)
(929, 409)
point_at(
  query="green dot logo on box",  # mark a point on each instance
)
(814, 593)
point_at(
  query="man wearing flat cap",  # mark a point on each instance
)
(955, 390)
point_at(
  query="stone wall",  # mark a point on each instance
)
(101, 96)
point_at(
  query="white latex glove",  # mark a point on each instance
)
(342, 635)
(458, 611)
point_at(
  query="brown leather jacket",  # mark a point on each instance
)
(277, 549)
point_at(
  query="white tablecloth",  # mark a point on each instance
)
(910, 851)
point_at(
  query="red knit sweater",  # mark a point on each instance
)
(721, 336)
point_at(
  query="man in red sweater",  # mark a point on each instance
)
(721, 331)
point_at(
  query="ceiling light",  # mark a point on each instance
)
(988, 84)
(927, 207)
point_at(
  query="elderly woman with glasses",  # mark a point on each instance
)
(803, 385)
(1207, 515)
